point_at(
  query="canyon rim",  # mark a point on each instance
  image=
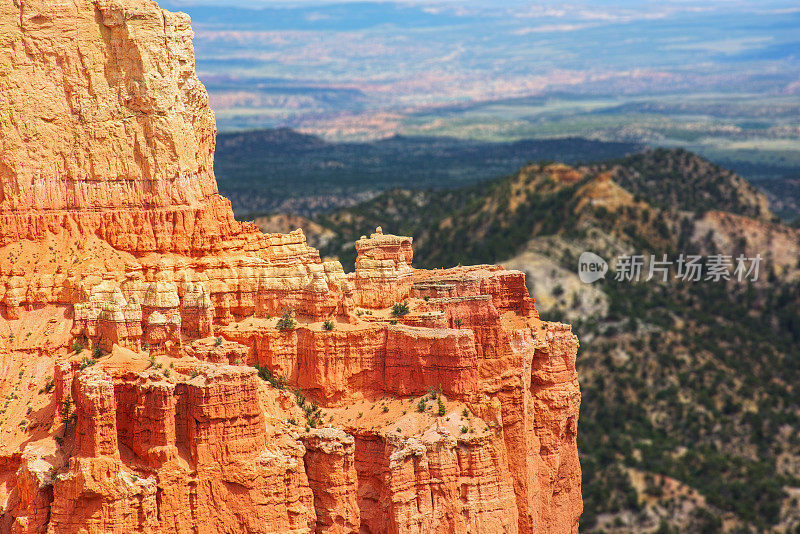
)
(166, 368)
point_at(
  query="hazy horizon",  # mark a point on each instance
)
(721, 78)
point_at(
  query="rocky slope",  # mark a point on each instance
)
(134, 308)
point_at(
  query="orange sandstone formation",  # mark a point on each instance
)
(133, 308)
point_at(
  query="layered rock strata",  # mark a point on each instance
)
(201, 420)
(133, 308)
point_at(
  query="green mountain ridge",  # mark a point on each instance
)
(282, 170)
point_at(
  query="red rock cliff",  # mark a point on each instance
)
(133, 307)
(106, 128)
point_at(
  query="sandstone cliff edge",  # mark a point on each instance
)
(165, 368)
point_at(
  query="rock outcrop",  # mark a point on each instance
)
(168, 369)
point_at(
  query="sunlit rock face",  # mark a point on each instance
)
(133, 308)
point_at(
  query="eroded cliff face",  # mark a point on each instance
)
(106, 128)
(133, 308)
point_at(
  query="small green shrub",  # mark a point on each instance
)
(421, 405)
(265, 374)
(400, 309)
(328, 325)
(66, 409)
(312, 410)
(441, 406)
(77, 347)
(48, 385)
(300, 398)
(286, 323)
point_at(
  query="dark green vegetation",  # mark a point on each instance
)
(698, 382)
(478, 224)
(265, 374)
(282, 170)
(400, 309)
(679, 180)
(286, 323)
(441, 220)
(784, 195)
